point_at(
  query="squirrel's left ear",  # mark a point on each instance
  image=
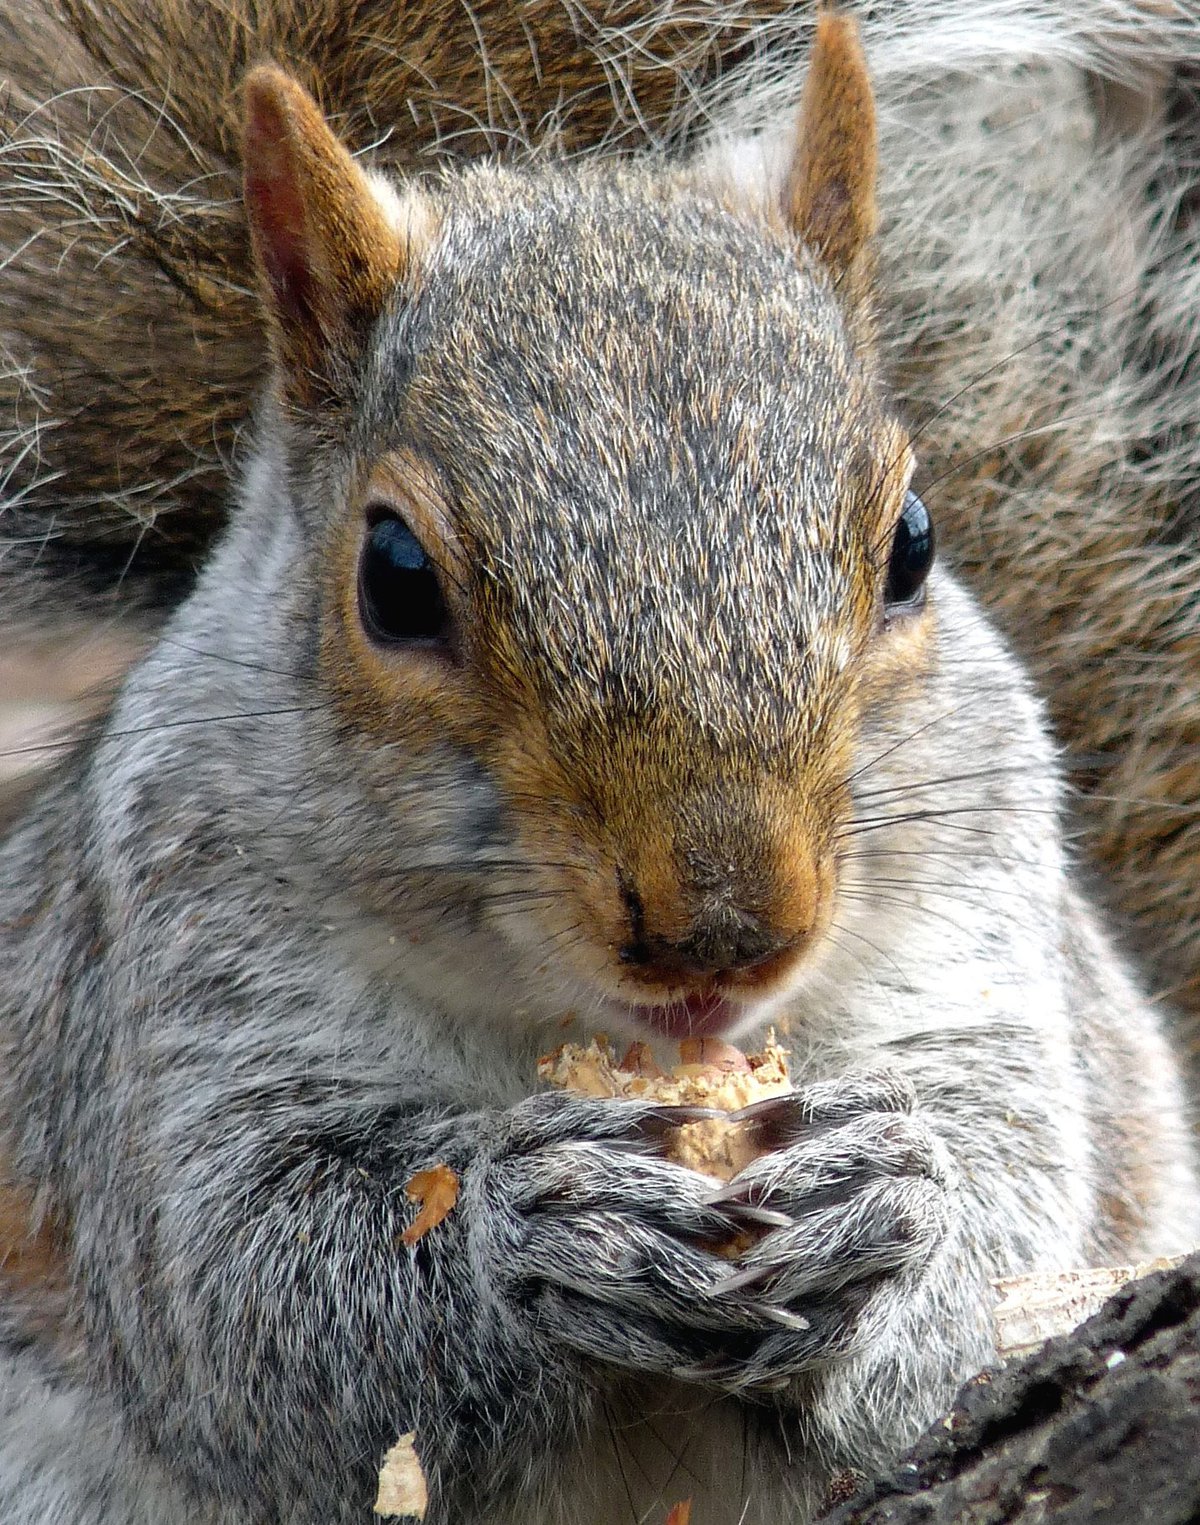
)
(330, 244)
(829, 187)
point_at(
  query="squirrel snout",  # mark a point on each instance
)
(722, 939)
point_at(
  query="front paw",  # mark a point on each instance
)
(609, 1248)
(853, 1199)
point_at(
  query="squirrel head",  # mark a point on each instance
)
(603, 505)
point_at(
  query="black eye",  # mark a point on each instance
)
(912, 554)
(398, 592)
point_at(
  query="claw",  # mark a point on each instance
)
(789, 1104)
(728, 1374)
(784, 1316)
(736, 1193)
(657, 1123)
(738, 1281)
(713, 1369)
(751, 1216)
(742, 1200)
(774, 1122)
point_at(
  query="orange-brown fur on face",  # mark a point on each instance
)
(896, 666)
(629, 826)
(373, 684)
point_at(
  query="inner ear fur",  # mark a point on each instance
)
(329, 244)
(829, 189)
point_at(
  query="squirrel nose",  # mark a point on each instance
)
(722, 941)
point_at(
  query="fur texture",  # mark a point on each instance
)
(300, 917)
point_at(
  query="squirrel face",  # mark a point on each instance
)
(618, 501)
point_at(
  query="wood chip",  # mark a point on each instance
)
(681, 1514)
(436, 1190)
(1033, 1309)
(402, 1487)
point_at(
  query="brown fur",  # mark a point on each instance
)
(327, 253)
(830, 191)
(35, 1272)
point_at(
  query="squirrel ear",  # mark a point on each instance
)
(829, 190)
(326, 241)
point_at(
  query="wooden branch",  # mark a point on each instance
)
(1100, 1427)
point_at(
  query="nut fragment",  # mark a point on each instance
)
(710, 1074)
(436, 1189)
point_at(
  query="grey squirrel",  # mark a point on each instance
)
(575, 646)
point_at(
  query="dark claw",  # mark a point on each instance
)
(743, 1201)
(774, 1122)
(658, 1123)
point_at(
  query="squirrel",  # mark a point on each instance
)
(575, 646)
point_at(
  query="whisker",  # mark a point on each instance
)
(1088, 312)
(875, 949)
(937, 720)
(164, 725)
(230, 661)
(915, 785)
(935, 852)
(881, 822)
(1034, 431)
(612, 1435)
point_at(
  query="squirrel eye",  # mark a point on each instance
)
(399, 597)
(912, 554)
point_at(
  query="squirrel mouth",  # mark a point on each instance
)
(691, 1016)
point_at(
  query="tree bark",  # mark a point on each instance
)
(1099, 1427)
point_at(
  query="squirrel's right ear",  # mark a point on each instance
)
(819, 183)
(330, 244)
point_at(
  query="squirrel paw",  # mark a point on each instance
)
(610, 1249)
(858, 1195)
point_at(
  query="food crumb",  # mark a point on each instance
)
(402, 1487)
